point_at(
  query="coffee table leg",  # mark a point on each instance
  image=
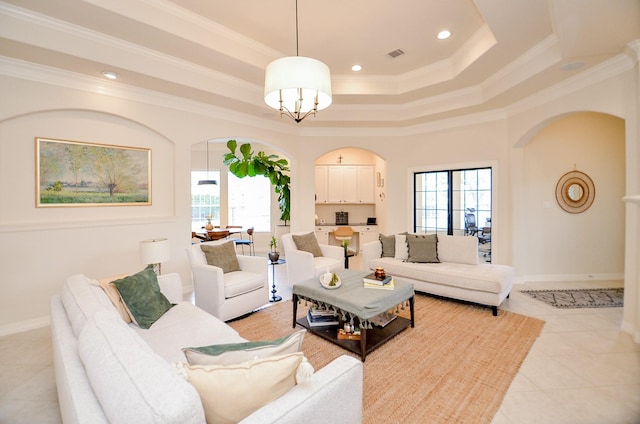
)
(295, 309)
(363, 343)
(411, 310)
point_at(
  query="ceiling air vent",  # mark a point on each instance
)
(396, 53)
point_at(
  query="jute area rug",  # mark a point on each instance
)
(454, 367)
(579, 298)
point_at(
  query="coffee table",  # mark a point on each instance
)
(355, 303)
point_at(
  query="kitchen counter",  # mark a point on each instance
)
(362, 233)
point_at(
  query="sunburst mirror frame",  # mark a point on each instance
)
(575, 192)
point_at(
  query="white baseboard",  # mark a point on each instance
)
(568, 277)
(22, 326)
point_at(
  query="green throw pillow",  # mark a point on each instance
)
(388, 246)
(423, 248)
(237, 353)
(222, 255)
(308, 243)
(142, 297)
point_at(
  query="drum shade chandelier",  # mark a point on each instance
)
(297, 86)
(207, 181)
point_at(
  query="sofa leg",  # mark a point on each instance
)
(495, 311)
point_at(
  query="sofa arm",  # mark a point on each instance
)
(332, 395)
(329, 251)
(208, 287)
(171, 286)
(370, 251)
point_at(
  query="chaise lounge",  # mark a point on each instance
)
(449, 267)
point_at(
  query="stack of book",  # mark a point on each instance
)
(321, 317)
(372, 282)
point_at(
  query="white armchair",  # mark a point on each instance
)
(302, 265)
(233, 294)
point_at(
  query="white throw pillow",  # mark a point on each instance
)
(402, 248)
(133, 383)
(237, 353)
(231, 393)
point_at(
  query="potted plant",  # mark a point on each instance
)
(248, 164)
(274, 255)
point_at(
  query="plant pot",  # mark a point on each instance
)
(274, 256)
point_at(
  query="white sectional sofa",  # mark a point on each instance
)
(108, 371)
(457, 275)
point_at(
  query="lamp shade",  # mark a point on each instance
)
(154, 251)
(286, 76)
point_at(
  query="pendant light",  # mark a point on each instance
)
(207, 181)
(297, 86)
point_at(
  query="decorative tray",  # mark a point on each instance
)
(325, 280)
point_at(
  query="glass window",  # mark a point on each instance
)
(453, 202)
(250, 202)
(205, 199)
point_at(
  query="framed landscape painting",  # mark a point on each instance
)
(74, 173)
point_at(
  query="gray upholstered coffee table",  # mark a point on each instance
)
(356, 304)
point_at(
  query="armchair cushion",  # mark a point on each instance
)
(142, 296)
(241, 282)
(222, 256)
(236, 353)
(308, 243)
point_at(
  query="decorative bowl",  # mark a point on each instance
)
(326, 278)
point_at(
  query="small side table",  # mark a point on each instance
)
(274, 297)
(348, 254)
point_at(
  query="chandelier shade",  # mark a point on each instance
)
(297, 84)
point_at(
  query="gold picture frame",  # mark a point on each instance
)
(79, 174)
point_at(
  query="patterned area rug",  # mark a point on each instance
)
(579, 298)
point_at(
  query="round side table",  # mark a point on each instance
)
(274, 297)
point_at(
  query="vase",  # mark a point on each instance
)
(274, 256)
(209, 226)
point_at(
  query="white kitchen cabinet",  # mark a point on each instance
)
(342, 184)
(366, 189)
(345, 184)
(322, 184)
(322, 234)
(366, 234)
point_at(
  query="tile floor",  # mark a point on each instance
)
(581, 369)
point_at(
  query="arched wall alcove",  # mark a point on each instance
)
(370, 175)
(217, 149)
(551, 244)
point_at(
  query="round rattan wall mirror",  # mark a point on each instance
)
(575, 192)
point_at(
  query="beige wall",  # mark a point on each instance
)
(39, 248)
(564, 246)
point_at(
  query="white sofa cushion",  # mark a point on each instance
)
(457, 249)
(132, 383)
(487, 278)
(182, 326)
(82, 297)
(402, 248)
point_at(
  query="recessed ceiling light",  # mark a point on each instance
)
(356, 68)
(110, 74)
(443, 35)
